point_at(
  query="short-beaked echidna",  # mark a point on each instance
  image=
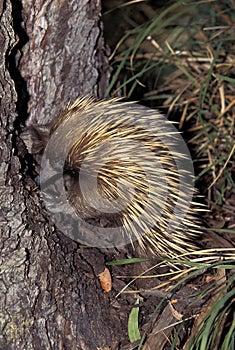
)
(129, 165)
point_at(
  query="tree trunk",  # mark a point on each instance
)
(50, 297)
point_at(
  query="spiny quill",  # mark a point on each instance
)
(137, 157)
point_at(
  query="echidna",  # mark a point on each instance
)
(129, 175)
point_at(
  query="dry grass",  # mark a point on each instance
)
(180, 58)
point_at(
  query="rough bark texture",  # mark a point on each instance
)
(60, 60)
(50, 297)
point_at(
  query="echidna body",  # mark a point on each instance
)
(129, 165)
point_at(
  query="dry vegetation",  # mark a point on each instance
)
(180, 58)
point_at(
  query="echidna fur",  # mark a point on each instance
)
(145, 190)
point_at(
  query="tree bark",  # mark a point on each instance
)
(50, 297)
